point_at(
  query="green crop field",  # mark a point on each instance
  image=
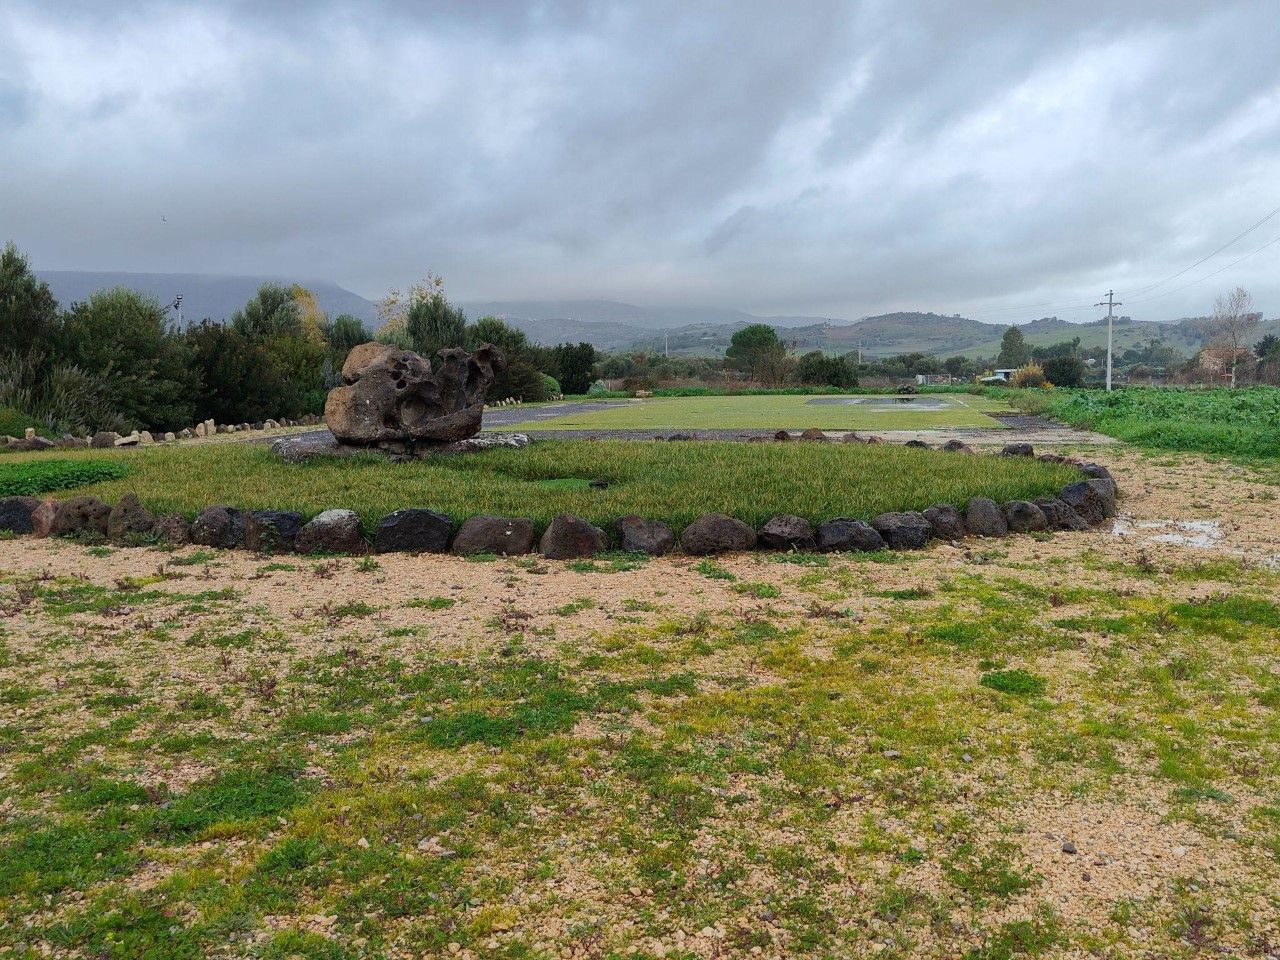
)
(1241, 423)
(672, 482)
(775, 412)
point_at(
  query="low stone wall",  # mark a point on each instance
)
(108, 439)
(1088, 502)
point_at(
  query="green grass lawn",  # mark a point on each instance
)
(775, 413)
(670, 481)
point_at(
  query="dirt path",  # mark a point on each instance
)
(742, 757)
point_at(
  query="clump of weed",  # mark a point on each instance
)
(1017, 682)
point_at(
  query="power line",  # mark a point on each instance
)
(1239, 236)
(1169, 293)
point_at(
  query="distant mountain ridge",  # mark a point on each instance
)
(204, 295)
(702, 331)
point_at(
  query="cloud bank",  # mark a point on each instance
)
(1001, 159)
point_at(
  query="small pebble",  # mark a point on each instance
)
(1068, 846)
(891, 754)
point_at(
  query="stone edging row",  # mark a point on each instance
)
(107, 439)
(1078, 506)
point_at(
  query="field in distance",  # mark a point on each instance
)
(778, 412)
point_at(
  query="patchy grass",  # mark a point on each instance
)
(653, 763)
(662, 481)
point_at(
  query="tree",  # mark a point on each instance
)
(1064, 371)
(273, 311)
(431, 321)
(818, 369)
(757, 350)
(1233, 319)
(1014, 351)
(28, 311)
(576, 365)
(343, 333)
(1268, 348)
(123, 337)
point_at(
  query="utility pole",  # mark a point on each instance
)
(1110, 304)
(666, 344)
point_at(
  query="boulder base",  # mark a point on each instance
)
(221, 527)
(946, 521)
(80, 515)
(272, 531)
(787, 532)
(129, 518)
(983, 518)
(905, 530)
(15, 513)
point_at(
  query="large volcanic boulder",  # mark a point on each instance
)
(392, 399)
(1060, 516)
(1095, 500)
(272, 531)
(984, 518)
(1023, 516)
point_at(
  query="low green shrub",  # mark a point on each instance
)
(14, 422)
(28, 478)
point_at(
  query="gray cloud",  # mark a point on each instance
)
(828, 157)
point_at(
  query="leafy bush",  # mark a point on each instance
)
(1032, 375)
(31, 477)
(13, 422)
(551, 384)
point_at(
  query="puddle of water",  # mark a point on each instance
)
(1186, 533)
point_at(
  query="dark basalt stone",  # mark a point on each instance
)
(787, 532)
(569, 538)
(716, 533)
(946, 521)
(638, 535)
(333, 531)
(1060, 516)
(1095, 500)
(272, 531)
(218, 526)
(957, 446)
(413, 531)
(983, 518)
(1017, 450)
(844, 535)
(1022, 516)
(503, 536)
(904, 530)
(80, 515)
(173, 529)
(129, 518)
(15, 513)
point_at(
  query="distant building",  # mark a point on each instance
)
(1218, 359)
(934, 379)
(1003, 375)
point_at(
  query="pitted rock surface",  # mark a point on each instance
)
(392, 399)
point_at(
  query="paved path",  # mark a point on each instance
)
(1019, 428)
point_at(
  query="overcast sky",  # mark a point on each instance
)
(803, 157)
